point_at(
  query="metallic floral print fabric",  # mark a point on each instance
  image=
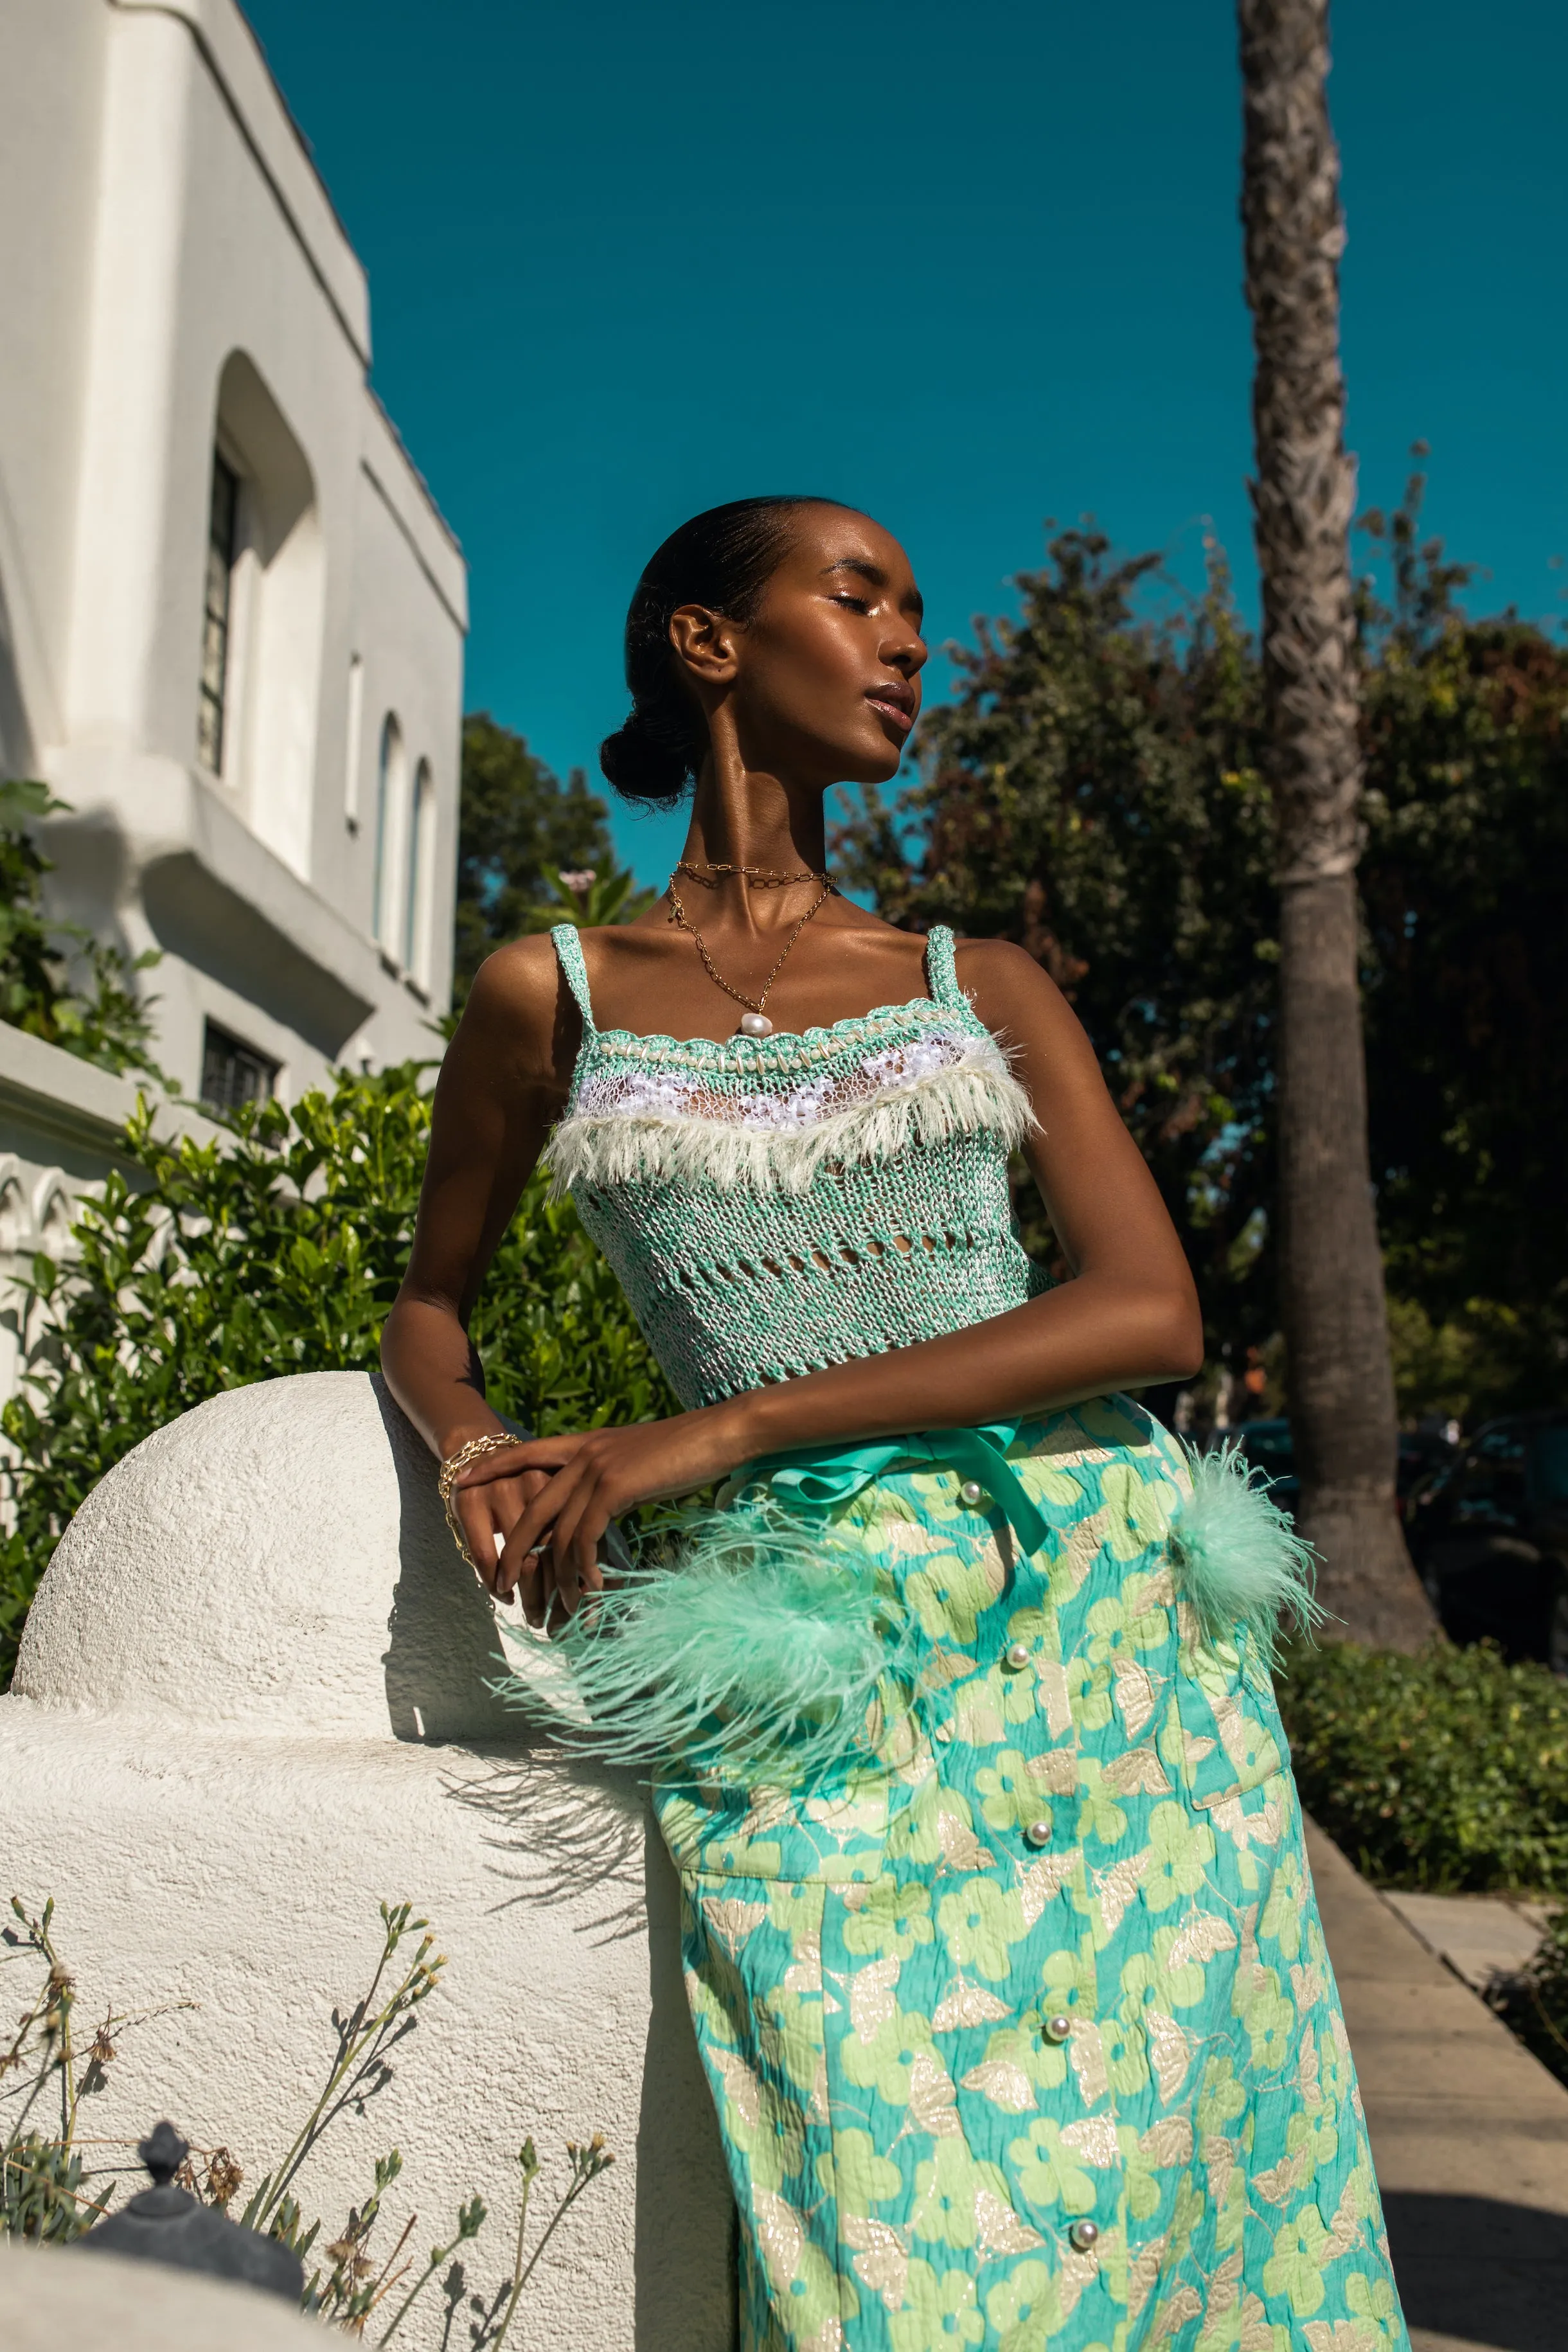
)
(1025, 2034)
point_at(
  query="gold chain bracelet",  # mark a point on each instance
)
(474, 1450)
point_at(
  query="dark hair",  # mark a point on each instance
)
(722, 559)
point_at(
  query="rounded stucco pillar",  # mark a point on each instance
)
(253, 1703)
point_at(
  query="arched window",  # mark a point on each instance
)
(421, 815)
(388, 814)
(261, 616)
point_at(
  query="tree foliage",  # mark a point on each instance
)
(517, 826)
(279, 1249)
(1094, 790)
(1467, 969)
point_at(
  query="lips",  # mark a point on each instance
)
(894, 699)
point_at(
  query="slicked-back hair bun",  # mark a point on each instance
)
(722, 559)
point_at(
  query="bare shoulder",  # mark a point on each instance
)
(1005, 984)
(1023, 1005)
(519, 1010)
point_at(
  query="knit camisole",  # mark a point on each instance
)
(774, 1205)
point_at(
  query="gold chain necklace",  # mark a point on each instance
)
(754, 1022)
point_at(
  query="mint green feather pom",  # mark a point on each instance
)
(1240, 1559)
(761, 1650)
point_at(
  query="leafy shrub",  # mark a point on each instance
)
(1535, 2004)
(277, 1251)
(1447, 1770)
(99, 1015)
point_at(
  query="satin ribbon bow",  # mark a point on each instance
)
(817, 1479)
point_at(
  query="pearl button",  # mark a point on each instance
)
(1058, 2029)
(1084, 2235)
(1039, 1832)
(755, 1025)
(973, 1491)
(1015, 1654)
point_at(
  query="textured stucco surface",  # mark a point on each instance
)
(213, 1762)
(53, 2301)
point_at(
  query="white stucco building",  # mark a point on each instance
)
(231, 617)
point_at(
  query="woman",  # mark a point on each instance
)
(1009, 1984)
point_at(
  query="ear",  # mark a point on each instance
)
(706, 642)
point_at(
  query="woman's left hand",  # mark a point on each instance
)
(598, 1473)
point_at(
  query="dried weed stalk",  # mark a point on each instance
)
(49, 2192)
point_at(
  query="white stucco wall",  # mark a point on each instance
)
(251, 1704)
(183, 276)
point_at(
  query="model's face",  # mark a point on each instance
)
(824, 680)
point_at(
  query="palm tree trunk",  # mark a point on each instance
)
(1332, 1303)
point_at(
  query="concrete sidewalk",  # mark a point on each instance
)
(1469, 2132)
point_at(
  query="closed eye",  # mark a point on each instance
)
(855, 603)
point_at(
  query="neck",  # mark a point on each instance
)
(743, 815)
(756, 821)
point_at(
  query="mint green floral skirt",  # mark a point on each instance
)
(1024, 2034)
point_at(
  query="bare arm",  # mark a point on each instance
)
(1130, 1316)
(501, 1087)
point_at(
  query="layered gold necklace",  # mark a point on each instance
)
(753, 1022)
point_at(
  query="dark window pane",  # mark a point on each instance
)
(222, 513)
(232, 1072)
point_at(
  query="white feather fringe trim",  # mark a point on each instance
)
(630, 1146)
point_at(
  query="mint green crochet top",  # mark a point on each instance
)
(773, 1205)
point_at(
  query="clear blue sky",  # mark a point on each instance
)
(966, 267)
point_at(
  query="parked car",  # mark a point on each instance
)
(1268, 1443)
(1489, 1536)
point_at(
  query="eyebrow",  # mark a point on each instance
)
(871, 573)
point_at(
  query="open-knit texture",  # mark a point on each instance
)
(774, 1205)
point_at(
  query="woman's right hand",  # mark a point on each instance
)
(489, 1497)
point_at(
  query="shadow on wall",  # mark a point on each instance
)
(442, 1650)
(559, 1829)
(1476, 2271)
(17, 749)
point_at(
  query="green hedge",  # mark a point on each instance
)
(281, 1252)
(1447, 1771)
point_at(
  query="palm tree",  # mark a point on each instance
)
(1333, 1308)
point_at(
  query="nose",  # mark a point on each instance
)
(903, 649)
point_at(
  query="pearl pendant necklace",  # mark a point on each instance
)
(753, 1022)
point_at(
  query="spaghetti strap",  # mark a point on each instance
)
(941, 972)
(575, 971)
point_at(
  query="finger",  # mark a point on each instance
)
(538, 1514)
(485, 1517)
(564, 1540)
(533, 1594)
(477, 1520)
(546, 1454)
(520, 1557)
(590, 1574)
